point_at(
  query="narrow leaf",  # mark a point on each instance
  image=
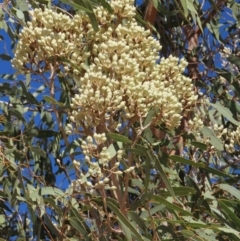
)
(49, 99)
(91, 15)
(51, 226)
(225, 112)
(76, 6)
(234, 60)
(51, 191)
(120, 138)
(46, 133)
(180, 191)
(162, 174)
(215, 141)
(166, 229)
(106, 5)
(123, 219)
(5, 57)
(199, 145)
(20, 178)
(231, 215)
(169, 205)
(232, 190)
(78, 226)
(186, 161)
(38, 151)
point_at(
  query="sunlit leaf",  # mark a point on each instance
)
(199, 145)
(225, 112)
(232, 190)
(162, 173)
(123, 219)
(169, 205)
(51, 226)
(38, 150)
(214, 140)
(186, 161)
(120, 138)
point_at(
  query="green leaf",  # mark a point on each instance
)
(2, 219)
(226, 74)
(30, 133)
(82, 223)
(191, 182)
(20, 178)
(138, 149)
(51, 191)
(180, 191)
(162, 173)
(230, 231)
(217, 172)
(46, 133)
(135, 217)
(5, 57)
(199, 145)
(22, 5)
(231, 216)
(213, 27)
(225, 112)
(126, 230)
(51, 226)
(232, 190)
(76, 6)
(163, 10)
(17, 114)
(106, 5)
(49, 99)
(191, 222)
(91, 15)
(118, 137)
(166, 229)
(28, 95)
(169, 205)
(186, 161)
(215, 141)
(38, 151)
(132, 190)
(155, 209)
(33, 3)
(71, 64)
(51, 201)
(78, 226)
(122, 218)
(147, 167)
(20, 14)
(234, 60)
(4, 133)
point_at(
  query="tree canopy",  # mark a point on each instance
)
(120, 120)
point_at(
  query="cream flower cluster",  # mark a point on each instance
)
(98, 170)
(51, 36)
(230, 137)
(123, 79)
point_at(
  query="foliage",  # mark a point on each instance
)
(99, 141)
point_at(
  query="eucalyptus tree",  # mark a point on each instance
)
(120, 123)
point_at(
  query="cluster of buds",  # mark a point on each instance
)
(123, 78)
(97, 158)
(50, 37)
(195, 123)
(229, 138)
